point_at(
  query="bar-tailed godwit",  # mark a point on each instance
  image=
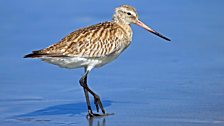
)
(93, 47)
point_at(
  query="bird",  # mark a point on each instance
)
(93, 47)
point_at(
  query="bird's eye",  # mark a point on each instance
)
(128, 13)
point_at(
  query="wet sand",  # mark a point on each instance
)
(152, 83)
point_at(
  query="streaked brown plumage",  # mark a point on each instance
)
(94, 41)
(94, 46)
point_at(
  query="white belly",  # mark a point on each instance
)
(77, 62)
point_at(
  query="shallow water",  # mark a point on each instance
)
(152, 83)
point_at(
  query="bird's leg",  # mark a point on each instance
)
(83, 83)
(97, 101)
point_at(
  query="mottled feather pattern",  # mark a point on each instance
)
(94, 41)
(93, 47)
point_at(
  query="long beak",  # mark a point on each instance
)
(139, 23)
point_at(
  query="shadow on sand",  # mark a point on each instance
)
(70, 109)
(63, 109)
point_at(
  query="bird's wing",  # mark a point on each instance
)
(94, 41)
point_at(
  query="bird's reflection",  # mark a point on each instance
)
(96, 122)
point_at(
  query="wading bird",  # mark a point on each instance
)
(93, 47)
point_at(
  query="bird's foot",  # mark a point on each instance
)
(91, 115)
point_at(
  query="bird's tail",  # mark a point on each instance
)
(39, 53)
(34, 54)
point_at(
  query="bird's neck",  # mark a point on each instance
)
(127, 29)
(124, 25)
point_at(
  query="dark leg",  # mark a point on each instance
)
(86, 93)
(97, 101)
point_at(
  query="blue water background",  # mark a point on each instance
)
(152, 83)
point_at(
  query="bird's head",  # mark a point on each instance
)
(126, 14)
